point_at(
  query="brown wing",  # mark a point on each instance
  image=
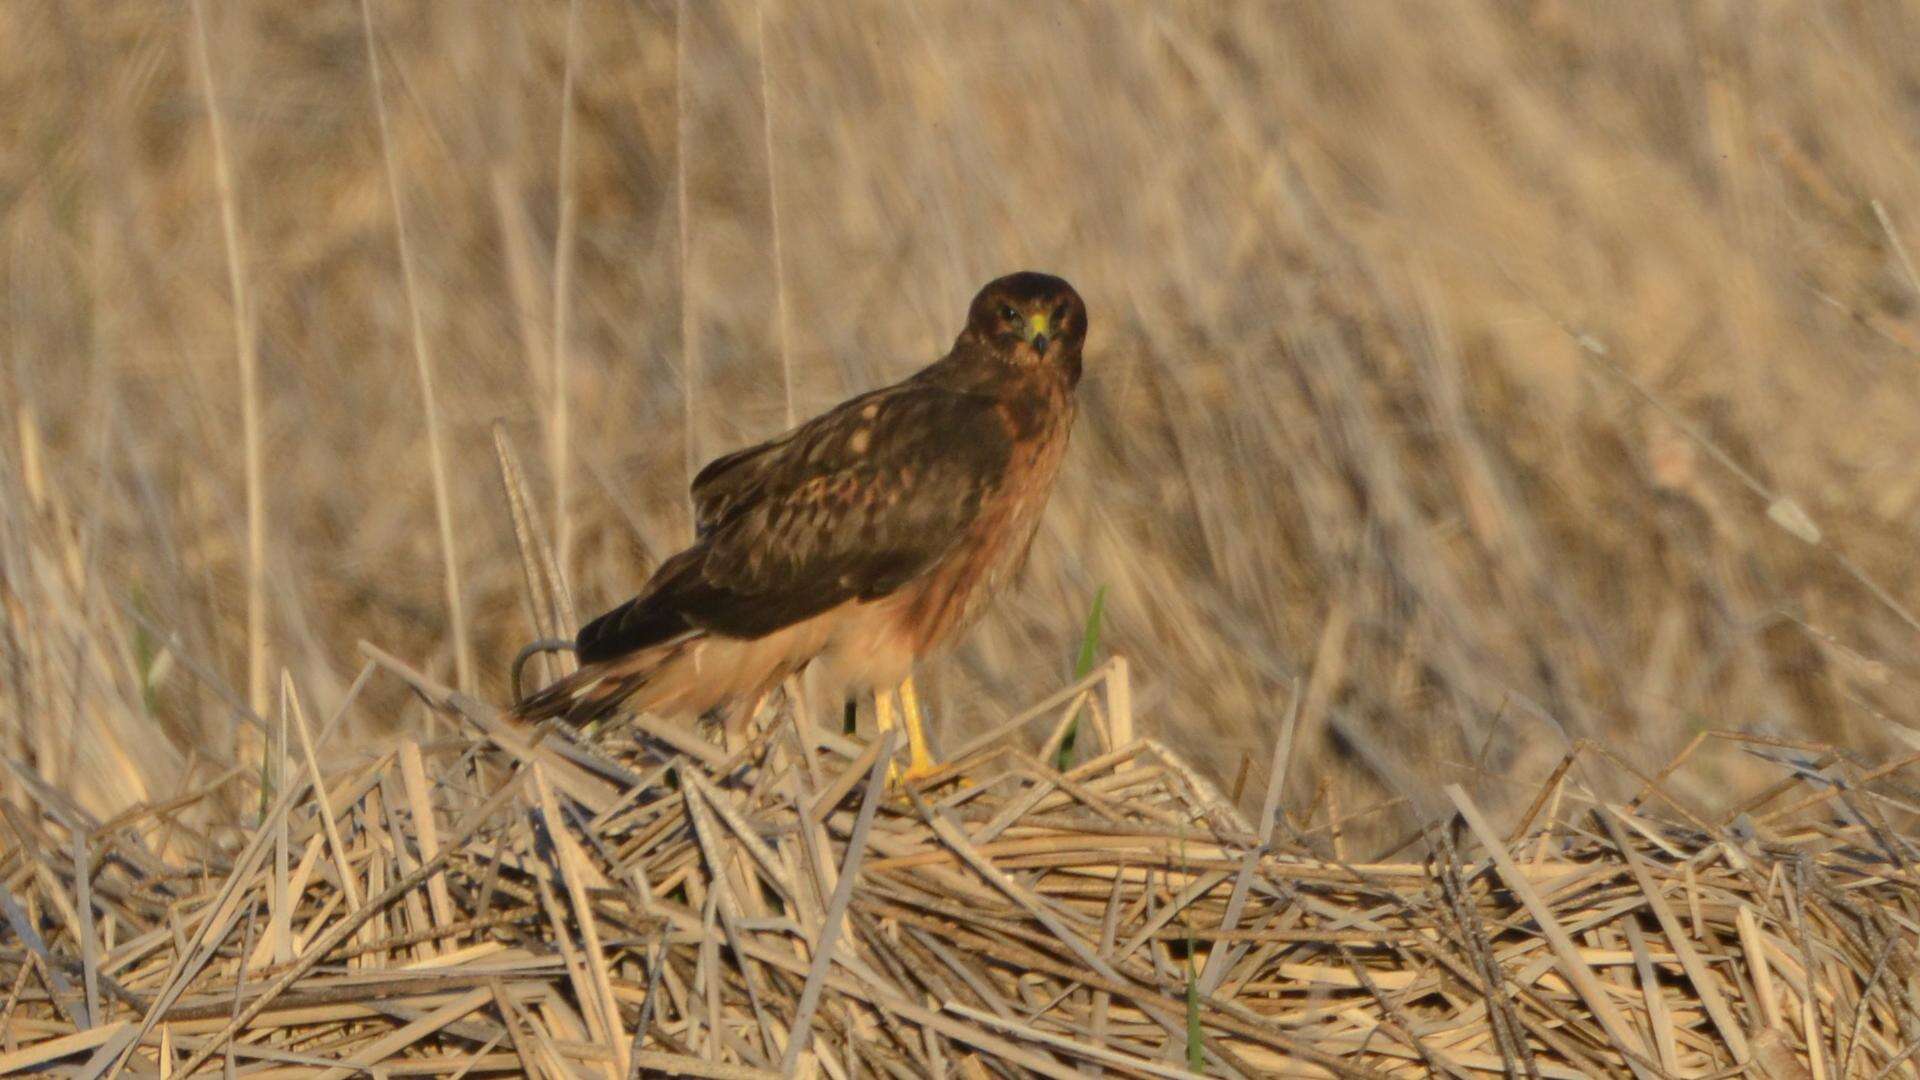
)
(850, 505)
(719, 487)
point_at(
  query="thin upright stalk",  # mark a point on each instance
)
(773, 208)
(423, 364)
(689, 346)
(559, 433)
(247, 358)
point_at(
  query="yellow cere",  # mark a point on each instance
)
(1038, 320)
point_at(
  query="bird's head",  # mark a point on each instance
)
(1030, 320)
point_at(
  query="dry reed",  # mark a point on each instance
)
(1458, 394)
(423, 365)
(510, 901)
(1334, 428)
(247, 361)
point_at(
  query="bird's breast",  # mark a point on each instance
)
(994, 548)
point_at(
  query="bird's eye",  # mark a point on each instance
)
(1007, 313)
(1060, 313)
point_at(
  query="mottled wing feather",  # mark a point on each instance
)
(851, 505)
(645, 621)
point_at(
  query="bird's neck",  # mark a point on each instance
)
(973, 367)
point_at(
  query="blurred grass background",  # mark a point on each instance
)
(1482, 369)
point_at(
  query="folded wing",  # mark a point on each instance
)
(852, 505)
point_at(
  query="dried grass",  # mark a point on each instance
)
(1334, 429)
(511, 902)
(1460, 394)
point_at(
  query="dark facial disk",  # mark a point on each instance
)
(1031, 319)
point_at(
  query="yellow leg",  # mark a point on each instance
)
(920, 762)
(884, 718)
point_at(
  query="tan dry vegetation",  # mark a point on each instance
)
(490, 904)
(1339, 426)
(1468, 382)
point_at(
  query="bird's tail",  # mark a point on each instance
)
(593, 691)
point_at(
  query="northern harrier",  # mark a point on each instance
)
(865, 538)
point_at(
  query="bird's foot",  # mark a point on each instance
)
(917, 773)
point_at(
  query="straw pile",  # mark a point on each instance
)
(503, 901)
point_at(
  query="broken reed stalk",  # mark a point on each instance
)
(505, 900)
(549, 612)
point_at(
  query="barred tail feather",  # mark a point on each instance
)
(587, 694)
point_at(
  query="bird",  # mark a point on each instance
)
(864, 540)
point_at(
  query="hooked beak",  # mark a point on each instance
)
(1037, 331)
